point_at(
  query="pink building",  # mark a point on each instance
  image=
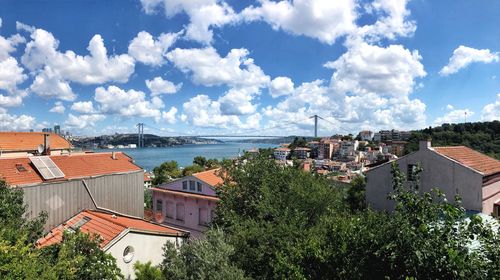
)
(189, 202)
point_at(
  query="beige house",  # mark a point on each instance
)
(454, 170)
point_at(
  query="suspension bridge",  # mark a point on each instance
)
(255, 133)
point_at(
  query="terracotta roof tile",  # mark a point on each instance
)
(210, 177)
(473, 159)
(108, 226)
(73, 166)
(29, 141)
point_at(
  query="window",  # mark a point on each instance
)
(191, 185)
(496, 210)
(410, 172)
(128, 254)
(203, 216)
(199, 186)
(184, 185)
(159, 205)
(180, 212)
(170, 207)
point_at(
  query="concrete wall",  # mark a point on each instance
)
(123, 193)
(439, 172)
(147, 247)
(191, 206)
(491, 194)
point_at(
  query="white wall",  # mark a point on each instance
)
(147, 247)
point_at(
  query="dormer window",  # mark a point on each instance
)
(20, 167)
(191, 185)
(184, 185)
(199, 186)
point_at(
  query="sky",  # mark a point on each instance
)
(246, 67)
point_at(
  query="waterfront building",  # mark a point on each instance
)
(188, 202)
(458, 170)
(127, 239)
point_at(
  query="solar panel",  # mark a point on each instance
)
(46, 167)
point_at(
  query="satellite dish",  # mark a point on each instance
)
(40, 149)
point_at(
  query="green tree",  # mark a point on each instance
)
(356, 193)
(206, 258)
(199, 160)
(166, 172)
(191, 169)
(147, 271)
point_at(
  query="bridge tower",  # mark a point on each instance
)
(315, 126)
(140, 135)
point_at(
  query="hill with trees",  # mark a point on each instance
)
(481, 136)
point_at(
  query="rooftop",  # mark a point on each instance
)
(29, 141)
(210, 177)
(20, 171)
(282, 149)
(107, 225)
(473, 159)
(187, 194)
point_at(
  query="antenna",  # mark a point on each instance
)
(465, 116)
(40, 148)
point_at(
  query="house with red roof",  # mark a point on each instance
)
(456, 170)
(64, 185)
(127, 239)
(17, 144)
(188, 202)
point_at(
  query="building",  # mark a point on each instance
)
(281, 153)
(57, 129)
(188, 202)
(302, 152)
(127, 239)
(148, 180)
(455, 170)
(366, 135)
(314, 145)
(19, 144)
(396, 147)
(64, 185)
(377, 137)
(348, 148)
(327, 148)
(47, 130)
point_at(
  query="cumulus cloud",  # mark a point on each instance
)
(130, 103)
(148, 50)
(203, 15)
(204, 112)
(170, 116)
(85, 107)
(83, 121)
(15, 122)
(11, 74)
(58, 108)
(49, 84)
(95, 68)
(280, 86)
(454, 116)
(159, 86)
(491, 111)
(463, 56)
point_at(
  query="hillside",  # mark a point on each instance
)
(481, 136)
(150, 140)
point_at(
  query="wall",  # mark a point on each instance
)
(491, 194)
(449, 176)
(123, 193)
(147, 247)
(177, 186)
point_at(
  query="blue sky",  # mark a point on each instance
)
(249, 67)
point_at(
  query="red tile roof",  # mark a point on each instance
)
(29, 141)
(473, 159)
(147, 177)
(108, 226)
(73, 166)
(282, 149)
(210, 177)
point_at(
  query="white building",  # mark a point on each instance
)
(348, 148)
(281, 153)
(454, 170)
(127, 239)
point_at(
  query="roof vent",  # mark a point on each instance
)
(113, 216)
(20, 167)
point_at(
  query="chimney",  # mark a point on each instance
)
(46, 144)
(113, 155)
(424, 145)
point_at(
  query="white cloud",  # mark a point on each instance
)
(204, 112)
(203, 15)
(85, 107)
(15, 122)
(83, 121)
(368, 68)
(170, 116)
(464, 56)
(24, 27)
(131, 103)
(280, 86)
(144, 48)
(324, 20)
(96, 68)
(491, 111)
(454, 116)
(11, 74)
(160, 86)
(49, 84)
(58, 108)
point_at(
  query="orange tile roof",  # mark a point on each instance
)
(210, 177)
(73, 166)
(282, 149)
(29, 141)
(473, 159)
(108, 226)
(186, 194)
(147, 177)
